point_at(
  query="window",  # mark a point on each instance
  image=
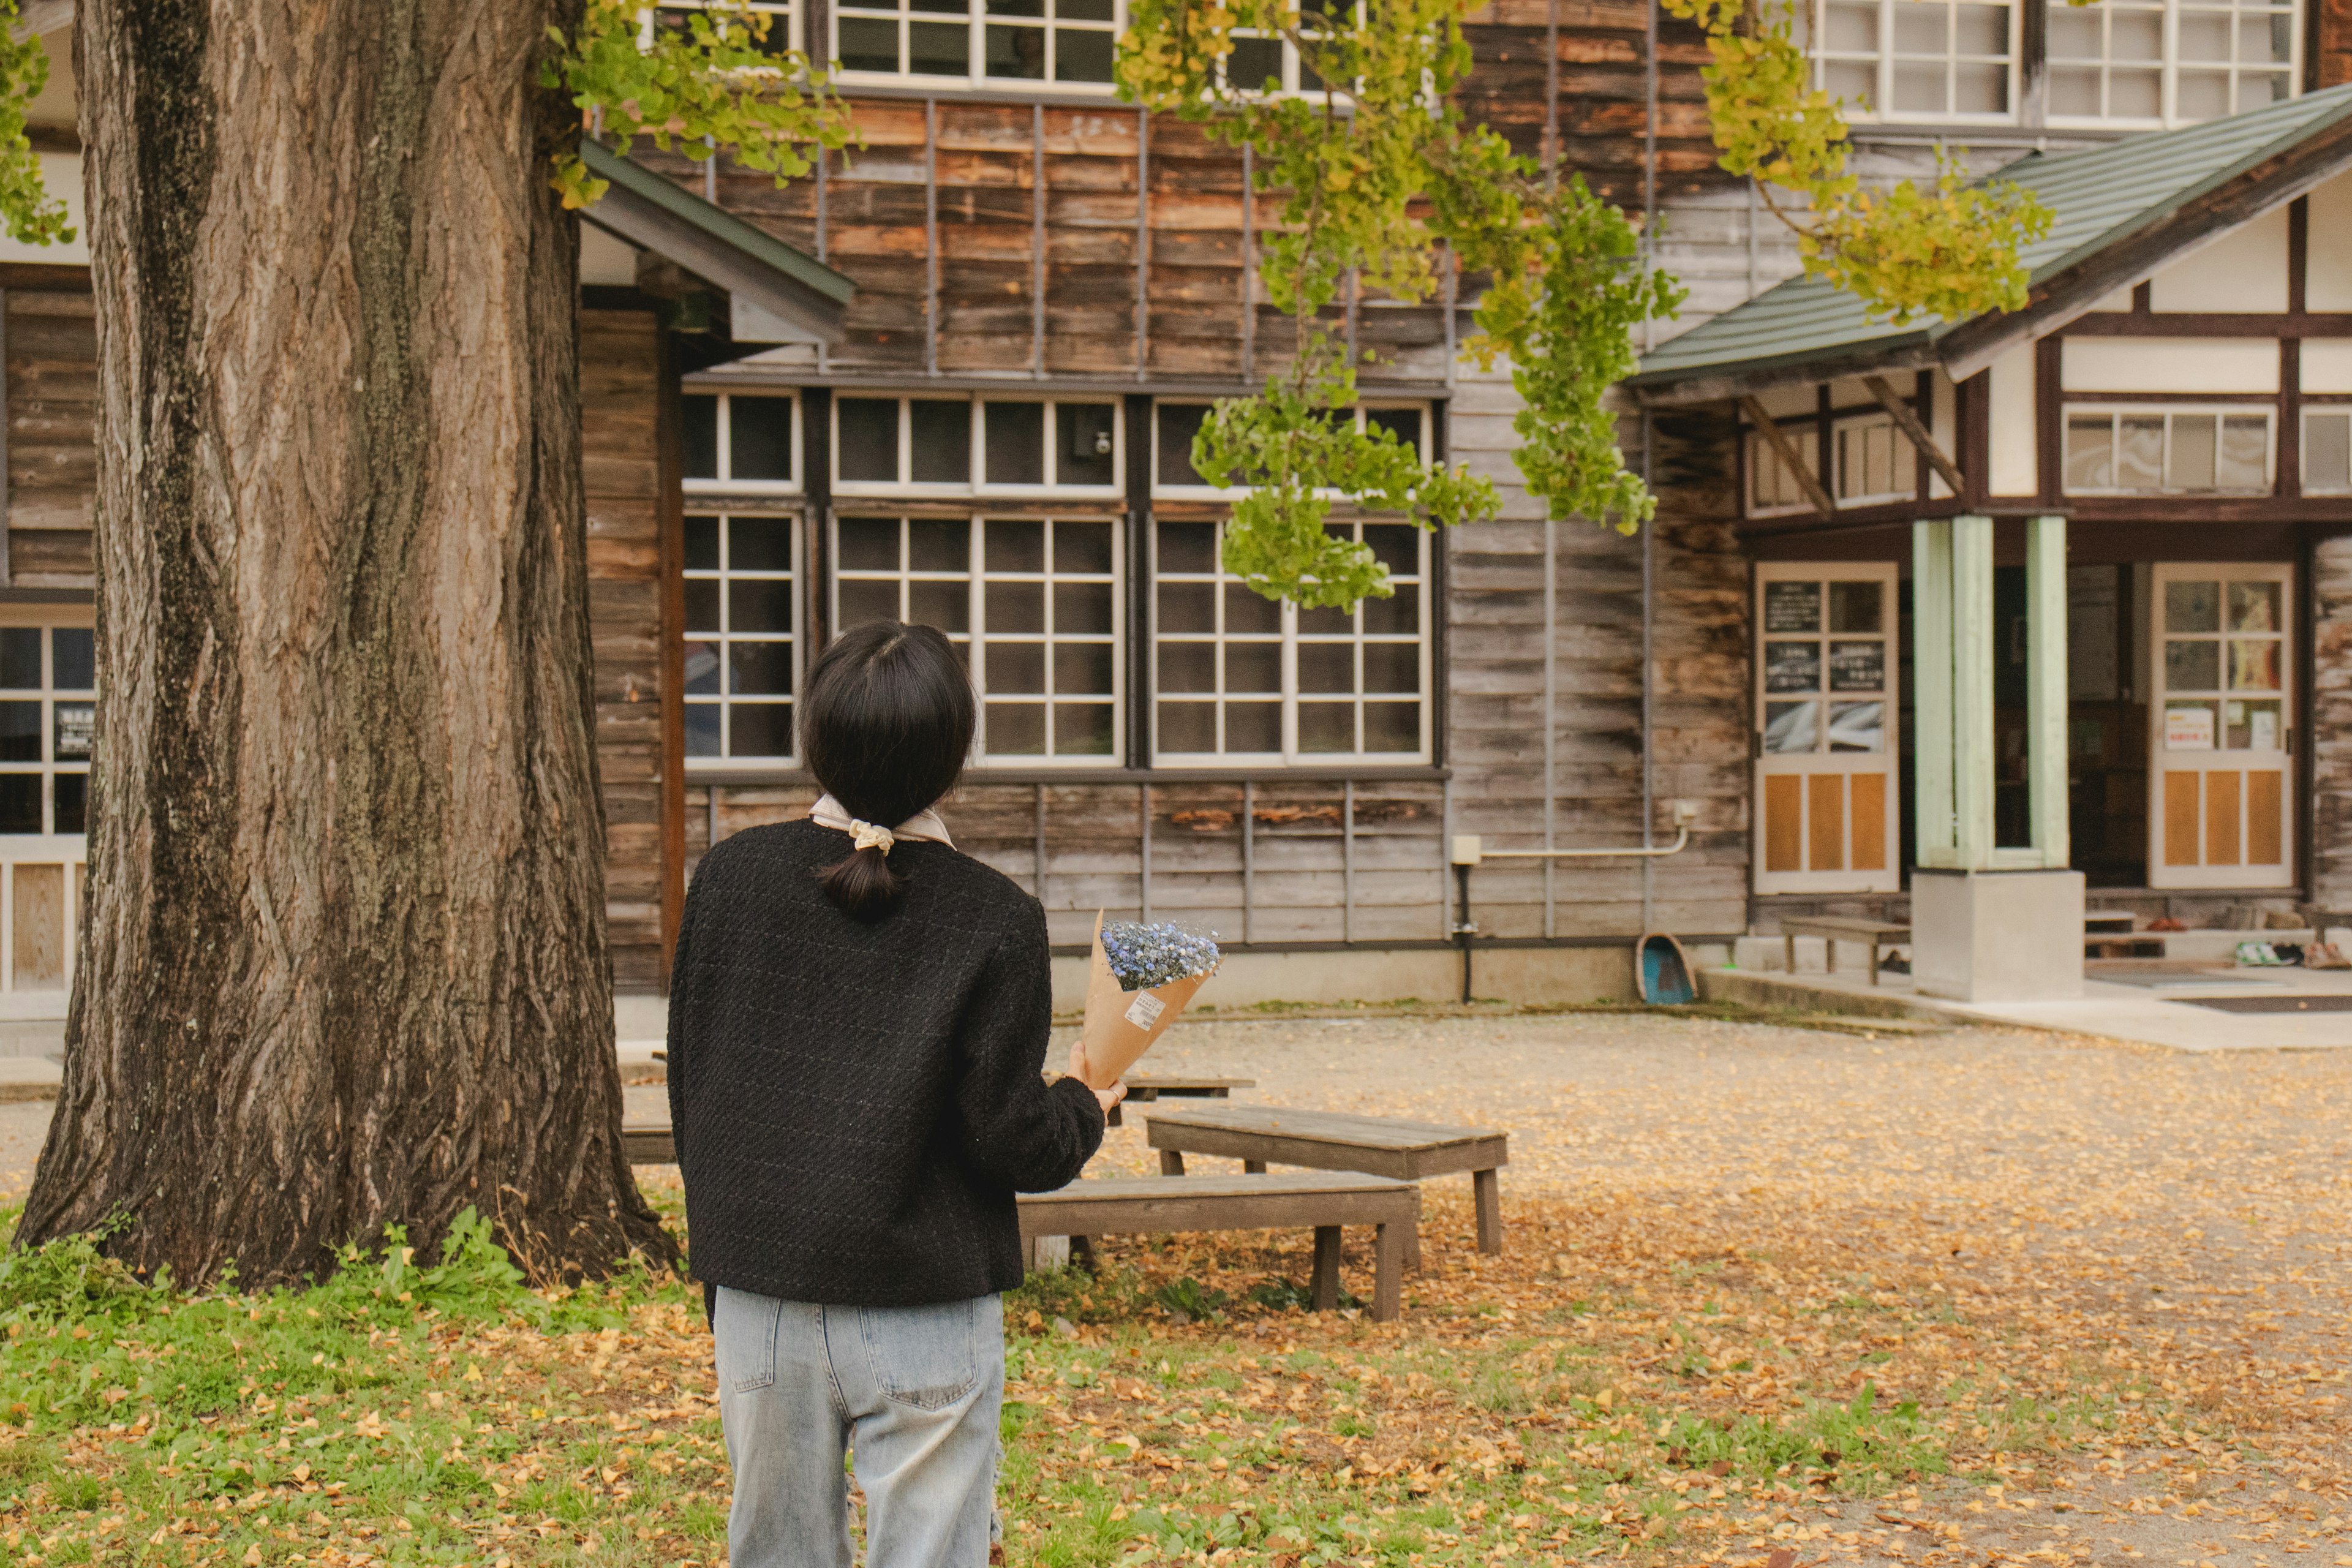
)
(2170, 62)
(1239, 675)
(48, 712)
(2115, 62)
(1771, 485)
(1918, 59)
(741, 648)
(1033, 605)
(1873, 461)
(1825, 685)
(2326, 450)
(742, 441)
(884, 444)
(1176, 425)
(2224, 666)
(2149, 451)
(783, 24)
(1070, 42)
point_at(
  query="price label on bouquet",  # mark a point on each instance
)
(1145, 1010)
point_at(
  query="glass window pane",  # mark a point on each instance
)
(2201, 95)
(2139, 452)
(702, 544)
(1187, 666)
(73, 657)
(759, 437)
(20, 732)
(935, 48)
(1188, 727)
(1017, 607)
(760, 668)
(20, 659)
(1082, 55)
(1792, 666)
(1188, 606)
(1252, 727)
(701, 415)
(1398, 616)
(947, 605)
(20, 802)
(1082, 668)
(1254, 667)
(1188, 547)
(1404, 424)
(2254, 607)
(867, 601)
(702, 604)
(1392, 726)
(1014, 545)
(1082, 607)
(868, 44)
(2193, 665)
(942, 440)
(760, 604)
(1016, 52)
(2254, 664)
(2135, 95)
(1016, 728)
(759, 728)
(72, 802)
(869, 544)
(1179, 423)
(77, 732)
(1789, 727)
(2193, 607)
(1326, 621)
(2074, 93)
(1392, 667)
(1255, 64)
(2203, 35)
(2245, 453)
(1857, 726)
(1792, 607)
(2245, 727)
(758, 544)
(1398, 548)
(1082, 547)
(939, 544)
(1327, 666)
(1858, 666)
(1016, 442)
(702, 669)
(2327, 451)
(2191, 458)
(2136, 35)
(702, 729)
(1081, 729)
(1327, 726)
(1089, 452)
(2090, 452)
(1017, 668)
(1856, 607)
(866, 447)
(1247, 611)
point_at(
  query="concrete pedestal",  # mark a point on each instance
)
(1997, 936)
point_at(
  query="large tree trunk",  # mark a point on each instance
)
(345, 961)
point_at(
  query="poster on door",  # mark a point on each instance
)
(2188, 729)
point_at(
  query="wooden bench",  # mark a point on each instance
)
(1836, 928)
(1145, 1088)
(1260, 1135)
(648, 1143)
(1154, 1205)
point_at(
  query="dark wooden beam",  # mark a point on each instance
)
(1907, 421)
(2210, 324)
(1786, 449)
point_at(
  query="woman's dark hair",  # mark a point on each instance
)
(886, 724)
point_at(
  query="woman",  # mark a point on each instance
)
(857, 1034)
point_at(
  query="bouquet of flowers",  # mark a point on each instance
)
(1139, 979)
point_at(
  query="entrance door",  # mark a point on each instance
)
(1825, 706)
(2221, 816)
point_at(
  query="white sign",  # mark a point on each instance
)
(1145, 1010)
(2188, 729)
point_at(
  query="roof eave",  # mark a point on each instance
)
(1911, 350)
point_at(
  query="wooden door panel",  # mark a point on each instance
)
(1870, 822)
(2180, 819)
(2265, 817)
(2222, 817)
(1784, 826)
(1825, 800)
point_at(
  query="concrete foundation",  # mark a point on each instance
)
(1997, 936)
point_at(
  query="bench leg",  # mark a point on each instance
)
(1788, 951)
(1253, 1167)
(1412, 1246)
(1388, 1266)
(1048, 1251)
(1874, 961)
(1829, 955)
(1326, 1287)
(1172, 1161)
(1487, 1192)
(1082, 1253)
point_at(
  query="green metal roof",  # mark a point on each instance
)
(2097, 195)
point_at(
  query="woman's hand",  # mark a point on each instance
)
(1106, 1098)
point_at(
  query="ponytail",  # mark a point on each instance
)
(886, 724)
(863, 886)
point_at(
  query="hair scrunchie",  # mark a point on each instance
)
(869, 837)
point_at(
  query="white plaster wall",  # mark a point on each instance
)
(2015, 468)
(2245, 269)
(2128, 365)
(61, 174)
(607, 260)
(2327, 275)
(2327, 364)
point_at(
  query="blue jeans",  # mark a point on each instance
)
(913, 1393)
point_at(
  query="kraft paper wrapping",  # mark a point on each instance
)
(1121, 1025)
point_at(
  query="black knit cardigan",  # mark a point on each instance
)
(855, 1105)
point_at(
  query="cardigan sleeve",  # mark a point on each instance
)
(677, 1048)
(1030, 1136)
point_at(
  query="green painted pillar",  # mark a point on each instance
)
(1931, 694)
(2045, 674)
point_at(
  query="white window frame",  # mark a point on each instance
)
(2265, 411)
(976, 21)
(788, 10)
(1160, 489)
(50, 619)
(1813, 37)
(726, 484)
(975, 482)
(2314, 409)
(2169, 66)
(1803, 431)
(1289, 639)
(1861, 428)
(724, 701)
(977, 638)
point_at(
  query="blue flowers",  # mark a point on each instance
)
(1142, 956)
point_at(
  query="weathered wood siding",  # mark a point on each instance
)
(2331, 724)
(52, 399)
(620, 408)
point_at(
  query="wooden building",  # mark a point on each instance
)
(1049, 287)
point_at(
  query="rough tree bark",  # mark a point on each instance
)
(345, 961)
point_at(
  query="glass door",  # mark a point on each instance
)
(1826, 708)
(2220, 746)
